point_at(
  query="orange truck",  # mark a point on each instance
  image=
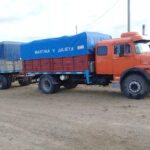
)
(125, 60)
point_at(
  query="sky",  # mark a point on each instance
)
(28, 20)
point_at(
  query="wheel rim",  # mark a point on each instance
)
(134, 87)
(47, 85)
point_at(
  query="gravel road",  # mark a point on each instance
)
(84, 118)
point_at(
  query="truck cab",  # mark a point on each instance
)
(126, 58)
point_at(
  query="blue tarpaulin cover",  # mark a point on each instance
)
(66, 46)
(10, 50)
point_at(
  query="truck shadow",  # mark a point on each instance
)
(17, 86)
(83, 92)
(93, 92)
(98, 93)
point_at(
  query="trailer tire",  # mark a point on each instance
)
(135, 86)
(8, 82)
(48, 84)
(3, 82)
(22, 83)
(25, 81)
(69, 84)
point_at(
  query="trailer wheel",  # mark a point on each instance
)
(69, 84)
(3, 82)
(48, 85)
(8, 82)
(135, 86)
(25, 81)
(22, 82)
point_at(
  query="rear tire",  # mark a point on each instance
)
(3, 82)
(24, 81)
(8, 82)
(135, 87)
(68, 84)
(48, 84)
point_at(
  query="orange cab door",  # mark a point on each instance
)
(123, 58)
(103, 60)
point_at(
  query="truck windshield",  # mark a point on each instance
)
(142, 47)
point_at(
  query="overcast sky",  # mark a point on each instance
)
(27, 20)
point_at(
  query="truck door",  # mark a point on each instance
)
(103, 60)
(123, 58)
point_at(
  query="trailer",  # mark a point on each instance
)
(90, 58)
(11, 65)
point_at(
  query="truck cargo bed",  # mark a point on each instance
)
(56, 65)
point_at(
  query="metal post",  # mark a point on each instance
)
(76, 29)
(143, 29)
(128, 15)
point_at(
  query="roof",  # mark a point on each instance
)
(124, 40)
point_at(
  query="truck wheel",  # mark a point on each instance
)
(3, 82)
(8, 82)
(57, 87)
(135, 87)
(24, 81)
(69, 84)
(48, 85)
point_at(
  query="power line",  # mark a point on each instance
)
(128, 15)
(101, 16)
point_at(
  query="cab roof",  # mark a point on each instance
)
(125, 38)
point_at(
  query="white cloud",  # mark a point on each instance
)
(25, 20)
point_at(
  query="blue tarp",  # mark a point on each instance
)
(66, 46)
(10, 50)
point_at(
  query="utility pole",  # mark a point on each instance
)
(128, 15)
(76, 28)
(143, 29)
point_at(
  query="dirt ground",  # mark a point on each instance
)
(84, 118)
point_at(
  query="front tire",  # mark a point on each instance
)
(135, 86)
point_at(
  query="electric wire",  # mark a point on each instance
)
(101, 16)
